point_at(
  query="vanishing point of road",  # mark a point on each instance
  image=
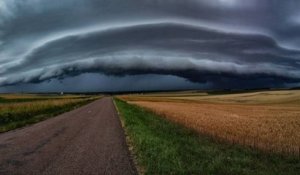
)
(86, 141)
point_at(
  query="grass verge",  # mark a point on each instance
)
(162, 147)
(12, 120)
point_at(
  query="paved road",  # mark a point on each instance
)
(88, 140)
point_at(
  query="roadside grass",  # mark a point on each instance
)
(162, 147)
(21, 113)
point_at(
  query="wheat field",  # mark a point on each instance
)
(268, 120)
(17, 110)
(30, 107)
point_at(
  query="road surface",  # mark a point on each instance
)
(87, 141)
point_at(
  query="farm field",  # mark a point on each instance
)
(268, 120)
(17, 110)
(163, 147)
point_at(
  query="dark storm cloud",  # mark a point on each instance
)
(98, 83)
(221, 42)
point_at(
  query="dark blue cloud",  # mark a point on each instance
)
(219, 42)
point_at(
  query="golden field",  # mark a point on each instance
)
(17, 110)
(29, 103)
(30, 107)
(268, 120)
(37, 96)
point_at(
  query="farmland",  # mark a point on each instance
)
(269, 120)
(17, 110)
(163, 147)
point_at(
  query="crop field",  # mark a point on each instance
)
(268, 120)
(18, 110)
(163, 147)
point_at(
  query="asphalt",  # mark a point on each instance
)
(86, 141)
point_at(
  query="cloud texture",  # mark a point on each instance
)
(224, 43)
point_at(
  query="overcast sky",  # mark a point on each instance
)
(111, 45)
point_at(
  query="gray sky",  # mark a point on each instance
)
(148, 44)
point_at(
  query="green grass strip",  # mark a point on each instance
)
(162, 147)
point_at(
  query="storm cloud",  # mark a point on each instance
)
(223, 43)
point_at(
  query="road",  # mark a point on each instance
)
(88, 140)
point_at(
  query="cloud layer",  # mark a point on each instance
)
(224, 43)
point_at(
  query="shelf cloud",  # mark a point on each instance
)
(220, 43)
